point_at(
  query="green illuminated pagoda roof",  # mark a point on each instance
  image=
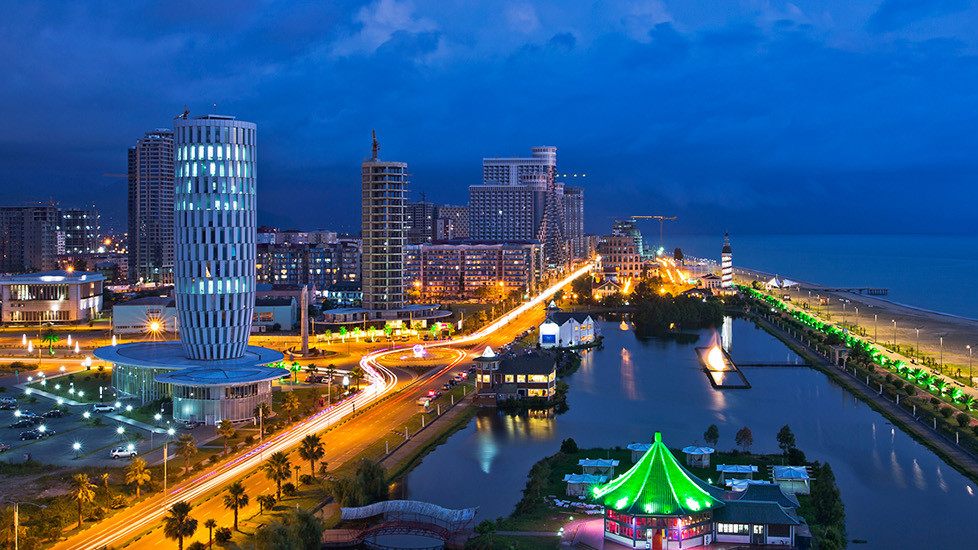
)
(658, 485)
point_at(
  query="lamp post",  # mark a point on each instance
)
(969, 366)
(894, 334)
(843, 314)
(942, 355)
(17, 518)
(917, 345)
(875, 326)
(170, 433)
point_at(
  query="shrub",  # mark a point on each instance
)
(197, 546)
(898, 384)
(974, 430)
(963, 419)
(98, 514)
(889, 377)
(568, 446)
(118, 501)
(946, 412)
(909, 389)
(935, 401)
(249, 440)
(796, 457)
(288, 490)
(222, 535)
(306, 479)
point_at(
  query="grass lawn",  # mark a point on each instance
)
(83, 386)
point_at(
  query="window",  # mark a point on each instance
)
(538, 378)
(508, 378)
(520, 378)
(733, 528)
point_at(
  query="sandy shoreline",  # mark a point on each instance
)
(876, 316)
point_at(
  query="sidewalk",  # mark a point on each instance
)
(422, 437)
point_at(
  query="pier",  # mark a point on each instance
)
(872, 291)
(721, 370)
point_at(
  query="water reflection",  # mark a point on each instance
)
(726, 334)
(628, 382)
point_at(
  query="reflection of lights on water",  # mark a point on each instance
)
(628, 381)
(726, 333)
(623, 325)
(970, 491)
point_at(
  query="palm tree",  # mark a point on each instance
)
(50, 338)
(187, 449)
(262, 410)
(136, 474)
(330, 372)
(357, 373)
(266, 502)
(311, 449)
(210, 525)
(235, 499)
(290, 404)
(83, 491)
(226, 429)
(177, 524)
(104, 478)
(278, 469)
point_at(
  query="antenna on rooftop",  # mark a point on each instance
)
(376, 145)
(186, 112)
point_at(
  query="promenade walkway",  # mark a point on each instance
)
(423, 436)
(963, 460)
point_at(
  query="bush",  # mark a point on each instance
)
(947, 412)
(898, 384)
(288, 490)
(118, 501)
(909, 390)
(796, 457)
(974, 430)
(197, 546)
(222, 535)
(963, 419)
(249, 440)
(935, 401)
(568, 446)
(98, 514)
(306, 479)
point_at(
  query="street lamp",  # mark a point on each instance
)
(875, 326)
(894, 334)
(17, 518)
(942, 355)
(970, 378)
(917, 345)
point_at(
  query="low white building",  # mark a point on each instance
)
(581, 484)
(51, 297)
(638, 449)
(150, 314)
(271, 311)
(792, 479)
(567, 330)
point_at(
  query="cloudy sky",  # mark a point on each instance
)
(813, 116)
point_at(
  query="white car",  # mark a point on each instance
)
(100, 408)
(122, 452)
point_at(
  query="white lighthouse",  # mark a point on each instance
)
(726, 263)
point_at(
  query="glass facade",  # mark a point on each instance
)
(212, 404)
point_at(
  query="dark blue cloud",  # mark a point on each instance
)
(788, 118)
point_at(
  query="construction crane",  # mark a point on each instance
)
(661, 220)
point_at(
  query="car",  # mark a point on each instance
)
(7, 406)
(446, 387)
(22, 424)
(434, 394)
(122, 452)
(191, 424)
(45, 431)
(30, 434)
(103, 408)
(4, 447)
(53, 413)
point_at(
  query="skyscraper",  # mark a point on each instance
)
(30, 238)
(419, 221)
(82, 229)
(574, 222)
(215, 234)
(520, 199)
(384, 186)
(726, 263)
(151, 208)
(451, 222)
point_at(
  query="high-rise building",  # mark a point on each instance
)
(451, 222)
(351, 253)
(520, 199)
(629, 228)
(30, 238)
(211, 374)
(82, 231)
(384, 185)
(151, 208)
(470, 268)
(419, 222)
(315, 265)
(619, 257)
(574, 222)
(726, 260)
(215, 233)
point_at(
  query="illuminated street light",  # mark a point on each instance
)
(76, 446)
(118, 405)
(120, 430)
(157, 417)
(128, 408)
(87, 414)
(171, 431)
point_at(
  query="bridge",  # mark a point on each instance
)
(427, 525)
(872, 291)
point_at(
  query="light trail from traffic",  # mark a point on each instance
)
(382, 381)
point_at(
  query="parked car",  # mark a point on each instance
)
(30, 434)
(122, 452)
(4, 447)
(7, 406)
(446, 387)
(22, 424)
(53, 413)
(434, 394)
(191, 424)
(103, 408)
(45, 431)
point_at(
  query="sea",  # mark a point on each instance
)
(932, 272)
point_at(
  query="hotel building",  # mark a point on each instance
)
(462, 268)
(150, 247)
(384, 185)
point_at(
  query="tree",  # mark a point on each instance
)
(311, 449)
(197, 546)
(329, 372)
(186, 449)
(7, 528)
(50, 338)
(226, 429)
(235, 499)
(290, 404)
(81, 491)
(744, 438)
(712, 435)
(829, 510)
(177, 524)
(677, 254)
(136, 474)
(368, 485)
(786, 439)
(357, 373)
(266, 502)
(278, 469)
(298, 530)
(210, 524)
(568, 446)
(262, 410)
(486, 528)
(104, 478)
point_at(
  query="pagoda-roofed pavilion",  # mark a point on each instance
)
(659, 503)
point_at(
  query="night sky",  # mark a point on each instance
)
(821, 116)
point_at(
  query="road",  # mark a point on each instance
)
(384, 381)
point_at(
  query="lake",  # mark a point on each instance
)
(897, 493)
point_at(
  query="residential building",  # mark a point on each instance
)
(520, 199)
(345, 294)
(500, 378)
(51, 297)
(419, 222)
(451, 222)
(317, 265)
(212, 374)
(151, 184)
(271, 235)
(461, 269)
(567, 330)
(384, 185)
(629, 228)
(574, 223)
(350, 256)
(619, 257)
(30, 238)
(82, 231)
(275, 311)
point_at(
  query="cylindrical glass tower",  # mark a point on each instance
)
(214, 234)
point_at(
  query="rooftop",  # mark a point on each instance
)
(561, 317)
(769, 492)
(528, 364)
(790, 472)
(736, 468)
(220, 376)
(585, 478)
(693, 450)
(597, 462)
(274, 301)
(163, 301)
(57, 276)
(659, 485)
(171, 355)
(754, 512)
